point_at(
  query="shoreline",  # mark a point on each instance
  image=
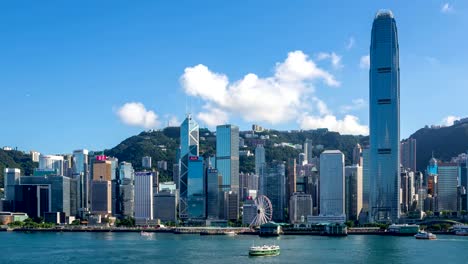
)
(176, 231)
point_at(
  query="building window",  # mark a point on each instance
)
(384, 101)
(384, 70)
(384, 151)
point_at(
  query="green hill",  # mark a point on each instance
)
(15, 159)
(162, 145)
(446, 142)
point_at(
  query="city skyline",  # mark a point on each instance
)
(89, 76)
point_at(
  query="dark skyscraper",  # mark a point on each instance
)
(384, 82)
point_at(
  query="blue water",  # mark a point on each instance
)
(107, 248)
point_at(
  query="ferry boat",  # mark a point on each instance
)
(460, 230)
(425, 235)
(265, 250)
(403, 230)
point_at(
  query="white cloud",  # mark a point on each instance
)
(334, 58)
(365, 62)
(448, 121)
(348, 125)
(447, 8)
(355, 105)
(135, 114)
(213, 116)
(350, 43)
(280, 98)
(172, 120)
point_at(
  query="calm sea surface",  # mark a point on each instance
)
(169, 248)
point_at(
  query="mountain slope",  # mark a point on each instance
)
(445, 142)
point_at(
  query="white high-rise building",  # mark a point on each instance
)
(51, 162)
(143, 197)
(35, 156)
(332, 184)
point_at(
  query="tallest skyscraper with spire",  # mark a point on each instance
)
(384, 96)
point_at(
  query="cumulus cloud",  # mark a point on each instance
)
(447, 8)
(135, 114)
(172, 120)
(364, 63)
(213, 116)
(333, 57)
(350, 43)
(348, 125)
(273, 99)
(355, 105)
(449, 120)
(280, 98)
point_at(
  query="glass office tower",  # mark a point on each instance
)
(189, 138)
(227, 156)
(384, 82)
(196, 188)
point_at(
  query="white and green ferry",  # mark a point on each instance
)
(265, 250)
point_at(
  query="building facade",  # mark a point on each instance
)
(448, 174)
(196, 188)
(332, 184)
(353, 191)
(384, 82)
(408, 154)
(189, 140)
(143, 197)
(300, 206)
(227, 156)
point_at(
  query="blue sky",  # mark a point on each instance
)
(88, 74)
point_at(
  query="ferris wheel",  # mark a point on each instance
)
(264, 211)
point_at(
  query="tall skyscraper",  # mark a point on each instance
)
(80, 174)
(102, 170)
(196, 202)
(357, 155)
(274, 187)
(213, 193)
(308, 150)
(227, 156)
(353, 191)
(189, 140)
(332, 184)
(447, 186)
(143, 197)
(12, 178)
(300, 206)
(259, 159)
(291, 177)
(126, 191)
(365, 179)
(407, 190)
(408, 154)
(384, 82)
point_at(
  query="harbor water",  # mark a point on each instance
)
(48, 248)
